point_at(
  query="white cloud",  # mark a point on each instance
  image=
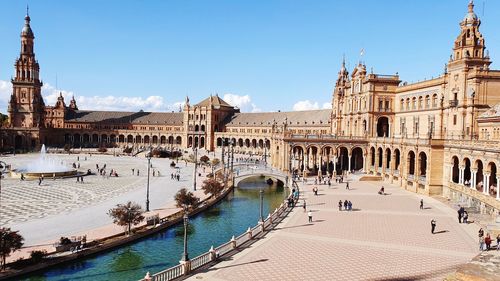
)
(5, 90)
(243, 102)
(310, 105)
(50, 95)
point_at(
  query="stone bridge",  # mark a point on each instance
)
(242, 172)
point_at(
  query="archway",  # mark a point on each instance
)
(380, 157)
(397, 156)
(343, 160)
(422, 158)
(455, 170)
(95, 138)
(219, 142)
(18, 142)
(467, 171)
(383, 127)
(372, 153)
(130, 139)
(480, 176)
(493, 179)
(357, 159)
(388, 158)
(411, 163)
(178, 140)
(202, 142)
(190, 141)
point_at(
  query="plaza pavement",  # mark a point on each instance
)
(63, 207)
(385, 237)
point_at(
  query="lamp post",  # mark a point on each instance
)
(261, 213)
(265, 151)
(195, 167)
(147, 188)
(186, 221)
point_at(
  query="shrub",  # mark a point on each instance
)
(37, 255)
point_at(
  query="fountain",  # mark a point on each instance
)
(46, 166)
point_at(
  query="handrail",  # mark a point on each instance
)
(186, 266)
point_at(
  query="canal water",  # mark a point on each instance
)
(232, 216)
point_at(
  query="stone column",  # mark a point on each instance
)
(451, 173)
(364, 164)
(498, 188)
(461, 175)
(473, 179)
(319, 160)
(335, 165)
(384, 160)
(349, 163)
(486, 187)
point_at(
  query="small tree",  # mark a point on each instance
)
(38, 255)
(212, 186)
(10, 241)
(127, 214)
(204, 159)
(186, 199)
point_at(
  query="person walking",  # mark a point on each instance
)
(465, 217)
(133, 171)
(498, 242)
(481, 243)
(340, 205)
(349, 205)
(347, 185)
(433, 226)
(487, 241)
(345, 205)
(310, 215)
(459, 212)
(304, 206)
(421, 204)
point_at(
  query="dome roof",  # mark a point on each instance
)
(470, 17)
(27, 28)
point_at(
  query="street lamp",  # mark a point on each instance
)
(195, 167)
(186, 221)
(265, 152)
(147, 190)
(261, 193)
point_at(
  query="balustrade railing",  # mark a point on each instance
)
(213, 254)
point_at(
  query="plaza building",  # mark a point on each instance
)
(435, 137)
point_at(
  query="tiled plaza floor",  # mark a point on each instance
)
(384, 238)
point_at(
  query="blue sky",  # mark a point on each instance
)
(268, 55)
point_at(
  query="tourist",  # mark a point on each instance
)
(481, 243)
(345, 205)
(481, 232)
(381, 191)
(498, 242)
(487, 241)
(304, 206)
(77, 158)
(433, 226)
(133, 171)
(349, 205)
(77, 178)
(347, 185)
(315, 190)
(459, 214)
(340, 205)
(310, 215)
(78, 165)
(97, 166)
(137, 172)
(465, 217)
(39, 180)
(22, 177)
(421, 204)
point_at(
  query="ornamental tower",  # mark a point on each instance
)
(26, 106)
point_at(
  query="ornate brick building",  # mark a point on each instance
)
(439, 136)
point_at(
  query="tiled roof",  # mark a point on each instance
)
(123, 117)
(492, 112)
(216, 101)
(293, 118)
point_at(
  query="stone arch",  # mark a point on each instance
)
(240, 142)
(422, 158)
(219, 142)
(380, 155)
(190, 141)
(455, 170)
(247, 143)
(261, 143)
(202, 142)
(343, 159)
(112, 138)
(86, 138)
(163, 139)
(372, 153)
(203, 128)
(104, 138)
(492, 167)
(196, 142)
(388, 158)
(138, 139)
(155, 140)
(383, 126)
(95, 138)
(411, 163)
(178, 140)
(467, 170)
(121, 138)
(357, 158)
(196, 128)
(130, 139)
(147, 139)
(397, 158)
(254, 143)
(478, 165)
(297, 158)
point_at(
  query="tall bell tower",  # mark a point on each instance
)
(26, 106)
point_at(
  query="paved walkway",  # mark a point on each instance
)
(383, 238)
(63, 207)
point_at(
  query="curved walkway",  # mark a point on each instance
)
(383, 238)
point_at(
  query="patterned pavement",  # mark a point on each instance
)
(383, 238)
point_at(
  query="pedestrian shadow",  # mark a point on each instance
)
(442, 231)
(316, 204)
(318, 220)
(295, 226)
(427, 208)
(233, 265)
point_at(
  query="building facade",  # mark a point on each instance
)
(439, 136)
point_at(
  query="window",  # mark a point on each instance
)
(387, 106)
(454, 119)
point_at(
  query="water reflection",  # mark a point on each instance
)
(232, 216)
